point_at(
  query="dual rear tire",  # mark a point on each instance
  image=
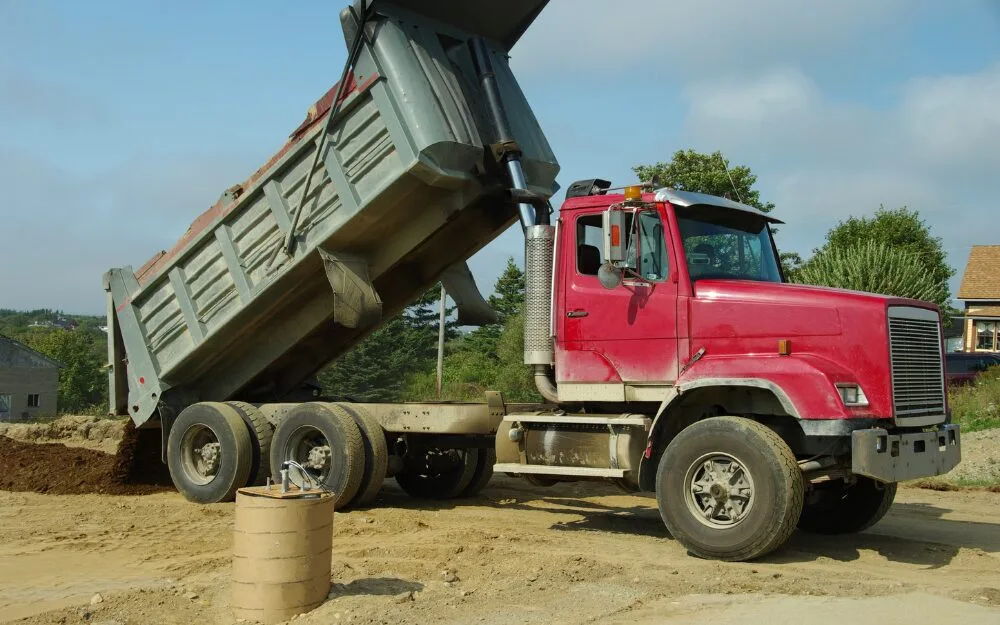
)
(215, 448)
(210, 452)
(447, 473)
(341, 447)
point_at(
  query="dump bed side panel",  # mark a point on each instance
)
(400, 194)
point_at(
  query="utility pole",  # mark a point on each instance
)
(440, 369)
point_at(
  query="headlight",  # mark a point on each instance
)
(852, 395)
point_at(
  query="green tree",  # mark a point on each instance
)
(690, 170)
(82, 380)
(875, 267)
(900, 228)
(791, 263)
(376, 368)
(469, 373)
(488, 358)
(507, 300)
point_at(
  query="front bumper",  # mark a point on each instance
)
(879, 454)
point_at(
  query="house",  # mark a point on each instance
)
(29, 382)
(980, 291)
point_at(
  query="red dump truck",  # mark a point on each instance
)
(672, 355)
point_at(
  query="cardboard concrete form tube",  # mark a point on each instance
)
(282, 549)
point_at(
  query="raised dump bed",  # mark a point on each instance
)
(266, 287)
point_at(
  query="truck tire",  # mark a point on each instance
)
(261, 433)
(376, 455)
(847, 509)
(439, 473)
(729, 488)
(326, 441)
(483, 473)
(209, 452)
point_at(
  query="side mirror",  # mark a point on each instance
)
(609, 276)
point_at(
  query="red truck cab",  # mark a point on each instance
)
(671, 317)
(702, 299)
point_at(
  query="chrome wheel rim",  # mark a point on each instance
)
(719, 490)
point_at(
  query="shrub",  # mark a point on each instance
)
(875, 268)
(977, 406)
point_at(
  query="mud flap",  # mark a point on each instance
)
(356, 303)
(460, 285)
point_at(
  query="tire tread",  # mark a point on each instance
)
(263, 432)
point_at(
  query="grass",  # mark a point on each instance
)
(977, 406)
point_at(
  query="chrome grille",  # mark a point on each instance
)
(917, 370)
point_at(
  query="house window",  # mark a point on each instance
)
(986, 336)
(32, 401)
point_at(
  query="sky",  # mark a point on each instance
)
(121, 121)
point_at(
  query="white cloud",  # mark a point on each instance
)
(62, 232)
(955, 120)
(824, 159)
(688, 36)
(745, 106)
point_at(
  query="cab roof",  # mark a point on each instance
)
(673, 196)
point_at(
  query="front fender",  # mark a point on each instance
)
(804, 386)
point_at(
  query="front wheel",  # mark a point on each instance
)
(729, 488)
(840, 508)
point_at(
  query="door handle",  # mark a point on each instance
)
(577, 313)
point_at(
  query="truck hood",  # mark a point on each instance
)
(841, 336)
(796, 294)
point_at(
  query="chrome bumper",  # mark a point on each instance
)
(888, 457)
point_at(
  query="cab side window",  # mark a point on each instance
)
(589, 244)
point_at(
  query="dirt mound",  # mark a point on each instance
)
(92, 432)
(60, 470)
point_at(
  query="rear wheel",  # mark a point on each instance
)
(325, 441)
(261, 432)
(209, 452)
(729, 488)
(376, 455)
(847, 508)
(483, 473)
(439, 473)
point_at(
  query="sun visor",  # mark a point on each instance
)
(500, 21)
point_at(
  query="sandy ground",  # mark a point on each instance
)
(570, 554)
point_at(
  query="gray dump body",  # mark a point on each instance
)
(400, 199)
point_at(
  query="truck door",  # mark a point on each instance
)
(625, 334)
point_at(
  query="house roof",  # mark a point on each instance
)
(28, 356)
(982, 274)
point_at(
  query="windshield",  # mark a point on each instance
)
(727, 244)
